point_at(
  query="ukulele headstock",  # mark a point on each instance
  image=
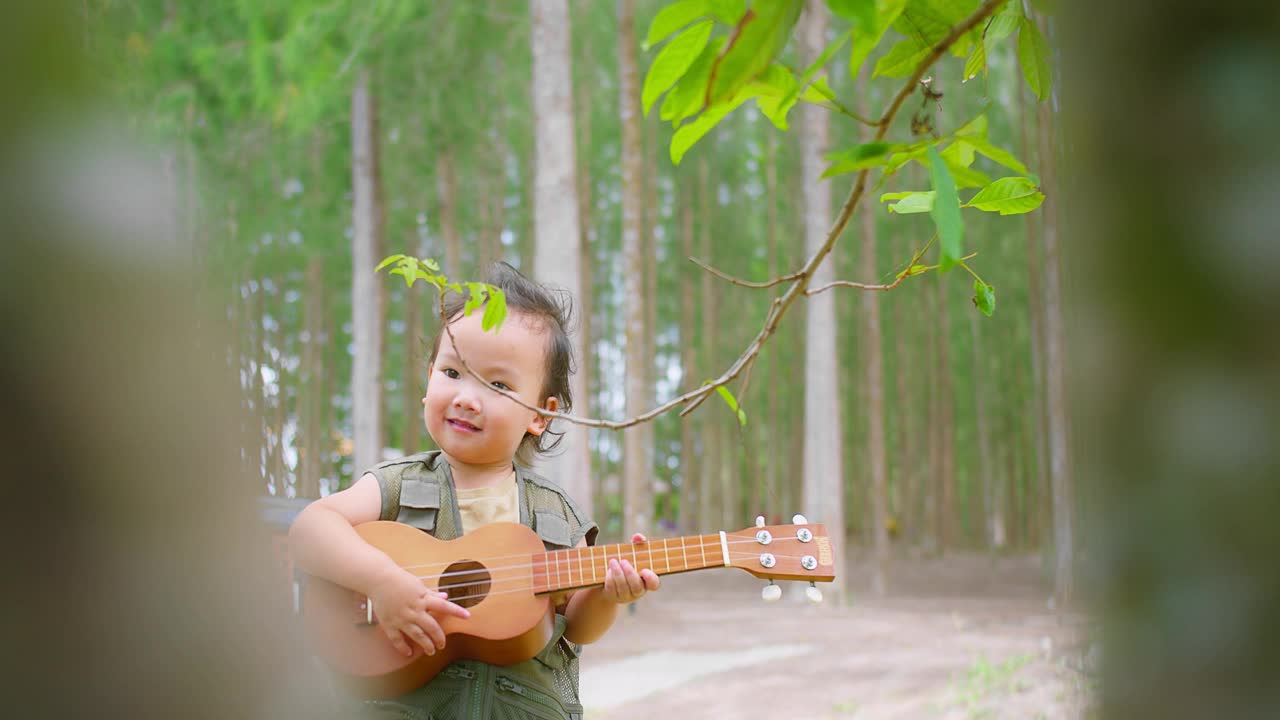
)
(800, 551)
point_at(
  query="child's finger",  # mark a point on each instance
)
(638, 538)
(651, 580)
(397, 640)
(634, 583)
(441, 606)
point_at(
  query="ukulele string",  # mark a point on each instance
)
(517, 575)
(590, 557)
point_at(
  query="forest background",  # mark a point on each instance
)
(116, 423)
(269, 117)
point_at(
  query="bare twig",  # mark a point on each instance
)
(800, 285)
(744, 283)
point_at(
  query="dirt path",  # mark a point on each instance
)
(963, 637)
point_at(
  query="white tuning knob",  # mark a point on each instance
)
(813, 594)
(759, 521)
(771, 593)
(798, 520)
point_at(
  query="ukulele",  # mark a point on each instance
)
(504, 576)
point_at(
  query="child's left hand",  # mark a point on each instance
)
(622, 584)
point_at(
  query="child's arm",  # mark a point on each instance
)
(324, 542)
(591, 612)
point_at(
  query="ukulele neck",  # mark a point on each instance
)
(585, 567)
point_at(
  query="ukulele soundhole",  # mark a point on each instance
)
(467, 583)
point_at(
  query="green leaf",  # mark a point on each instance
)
(475, 296)
(910, 202)
(728, 12)
(1004, 23)
(868, 32)
(902, 59)
(975, 127)
(977, 62)
(790, 99)
(914, 270)
(858, 158)
(984, 297)
(771, 87)
(862, 13)
(1001, 156)
(686, 99)
(674, 17)
(673, 61)
(967, 177)
(687, 135)
(495, 310)
(946, 212)
(1033, 54)
(1008, 196)
(758, 38)
(387, 261)
(732, 402)
(958, 153)
(818, 92)
(431, 264)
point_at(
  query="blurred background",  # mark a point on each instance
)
(195, 196)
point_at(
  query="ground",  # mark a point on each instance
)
(964, 636)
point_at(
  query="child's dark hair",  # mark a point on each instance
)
(554, 309)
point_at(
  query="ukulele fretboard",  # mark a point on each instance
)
(585, 567)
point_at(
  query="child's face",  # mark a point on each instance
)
(470, 423)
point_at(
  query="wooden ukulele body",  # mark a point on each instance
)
(508, 622)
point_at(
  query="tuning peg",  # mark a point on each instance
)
(798, 520)
(813, 594)
(759, 521)
(771, 592)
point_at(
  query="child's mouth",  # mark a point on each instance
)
(462, 425)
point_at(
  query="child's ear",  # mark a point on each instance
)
(540, 422)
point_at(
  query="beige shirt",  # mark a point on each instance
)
(484, 505)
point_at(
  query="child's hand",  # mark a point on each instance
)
(622, 584)
(407, 611)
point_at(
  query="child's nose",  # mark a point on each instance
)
(466, 400)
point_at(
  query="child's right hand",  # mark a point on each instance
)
(407, 611)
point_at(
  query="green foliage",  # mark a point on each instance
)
(673, 61)
(732, 402)
(477, 294)
(1008, 196)
(869, 28)
(946, 212)
(910, 202)
(1033, 55)
(984, 297)
(859, 157)
(673, 17)
(760, 35)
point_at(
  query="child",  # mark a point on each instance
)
(479, 475)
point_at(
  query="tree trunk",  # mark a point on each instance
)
(366, 295)
(1035, 315)
(823, 472)
(311, 398)
(773, 439)
(447, 193)
(414, 370)
(710, 461)
(992, 537)
(946, 501)
(688, 349)
(637, 488)
(873, 353)
(558, 230)
(1055, 374)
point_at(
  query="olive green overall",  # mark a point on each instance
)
(418, 490)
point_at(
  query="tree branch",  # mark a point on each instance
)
(744, 283)
(783, 302)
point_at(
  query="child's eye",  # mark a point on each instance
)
(451, 373)
(500, 385)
